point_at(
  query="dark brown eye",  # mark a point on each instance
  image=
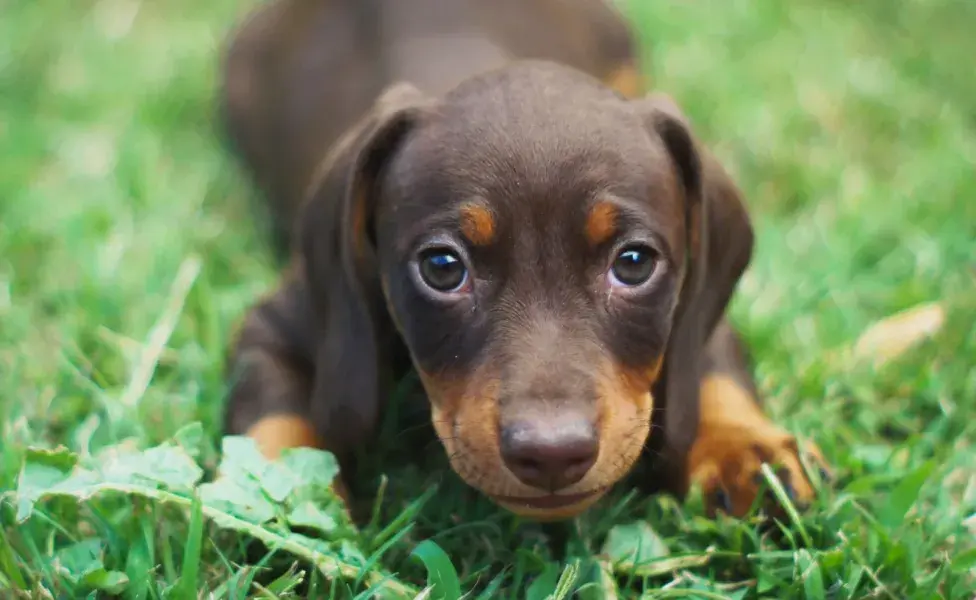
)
(633, 266)
(442, 269)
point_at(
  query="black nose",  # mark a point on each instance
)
(549, 455)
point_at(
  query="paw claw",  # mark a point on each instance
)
(736, 480)
(825, 475)
(790, 491)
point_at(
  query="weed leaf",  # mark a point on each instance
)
(111, 582)
(309, 515)
(629, 545)
(41, 470)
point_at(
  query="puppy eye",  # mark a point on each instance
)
(442, 269)
(633, 266)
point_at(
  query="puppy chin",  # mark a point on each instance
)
(548, 514)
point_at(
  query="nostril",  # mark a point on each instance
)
(526, 465)
(549, 457)
(580, 462)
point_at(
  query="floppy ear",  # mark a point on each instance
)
(354, 334)
(719, 242)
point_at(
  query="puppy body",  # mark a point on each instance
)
(551, 256)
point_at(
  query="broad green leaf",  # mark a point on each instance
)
(241, 460)
(42, 469)
(111, 582)
(440, 571)
(249, 485)
(240, 498)
(190, 438)
(168, 466)
(311, 466)
(351, 553)
(45, 474)
(79, 559)
(60, 458)
(632, 544)
(545, 584)
(311, 516)
(965, 561)
(903, 497)
(853, 583)
(601, 584)
(766, 581)
(813, 585)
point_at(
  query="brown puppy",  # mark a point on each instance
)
(552, 257)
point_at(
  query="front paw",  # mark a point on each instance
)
(726, 461)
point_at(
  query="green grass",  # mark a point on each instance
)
(127, 256)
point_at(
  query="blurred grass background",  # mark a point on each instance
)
(127, 255)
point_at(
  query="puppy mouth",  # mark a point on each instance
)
(548, 502)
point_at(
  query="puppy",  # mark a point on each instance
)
(477, 196)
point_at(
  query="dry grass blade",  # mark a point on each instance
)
(889, 338)
(160, 333)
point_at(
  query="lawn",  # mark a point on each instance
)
(128, 254)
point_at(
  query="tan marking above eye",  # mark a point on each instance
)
(627, 80)
(477, 223)
(601, 223)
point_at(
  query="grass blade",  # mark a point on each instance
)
(441, 573)
(903, 497)
(190, 572)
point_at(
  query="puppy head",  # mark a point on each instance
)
(527, 237)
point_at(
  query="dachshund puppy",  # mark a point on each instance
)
(476, 198)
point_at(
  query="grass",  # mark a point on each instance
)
(127, 255)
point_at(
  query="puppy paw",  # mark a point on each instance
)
(727, 462)
(734, 439)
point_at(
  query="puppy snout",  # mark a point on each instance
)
(549, 455)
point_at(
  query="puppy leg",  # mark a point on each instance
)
(271, 381)
(735, 437)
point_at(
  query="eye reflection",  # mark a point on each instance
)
(633, 266)
(442, 269)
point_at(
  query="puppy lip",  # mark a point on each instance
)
(550, 501)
